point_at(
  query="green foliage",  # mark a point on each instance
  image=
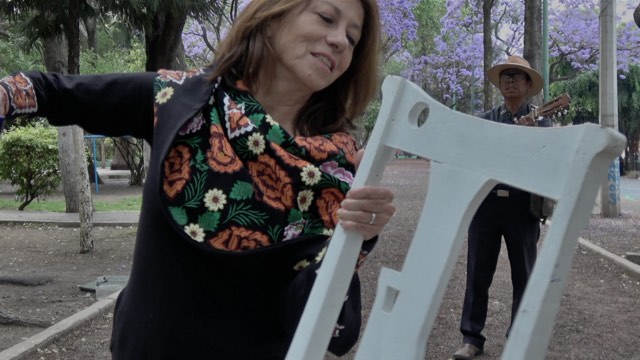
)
(114, 60)
(584, 92)
(428, 14)
(629, 113)
(367, 122)
(14, 58)
(29, 160)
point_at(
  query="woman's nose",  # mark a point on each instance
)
(338, 39)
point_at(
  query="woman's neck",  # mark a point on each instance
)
(283, 103)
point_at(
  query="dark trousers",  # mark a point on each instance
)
(497, 217)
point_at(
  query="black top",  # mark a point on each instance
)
(183, 302)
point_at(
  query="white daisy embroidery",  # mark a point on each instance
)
(310, 175)
(195, 232)
(270, 120)
(301, 265)
(305, 197)
(164, 95)
(215, 199)
(256, 143)
(321, 254)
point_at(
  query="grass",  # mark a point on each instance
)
(126, 203)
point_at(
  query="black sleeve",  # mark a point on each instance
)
(105, 104)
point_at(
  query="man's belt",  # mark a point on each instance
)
(505, 193)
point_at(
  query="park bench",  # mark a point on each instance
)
(468, 157)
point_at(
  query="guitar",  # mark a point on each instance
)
(552, 109)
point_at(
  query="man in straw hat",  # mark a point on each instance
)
(503, 213)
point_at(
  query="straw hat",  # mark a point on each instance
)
(516, 62)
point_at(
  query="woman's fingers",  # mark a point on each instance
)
(367, 210)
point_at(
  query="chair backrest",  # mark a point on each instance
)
(468, 157)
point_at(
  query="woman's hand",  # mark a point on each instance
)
(366, 210)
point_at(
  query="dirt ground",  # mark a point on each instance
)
(599, 316)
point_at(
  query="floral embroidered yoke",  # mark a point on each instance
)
(235, 180)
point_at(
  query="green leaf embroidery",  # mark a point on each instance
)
(209, 221)
(315, 226)
(193, 142)
(275, 135)
(201, 161)
(243, 215)
(215, 119)
(179, 215)
(242, 148)
(250, 104)
(294, 215)
(275, 232)
(195, 190)
(158, 85)
(256, 119)
(241, 191)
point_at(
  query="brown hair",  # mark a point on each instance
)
(245, 50)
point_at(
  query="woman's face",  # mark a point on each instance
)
(314, 43)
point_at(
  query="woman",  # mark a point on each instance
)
(250, 172)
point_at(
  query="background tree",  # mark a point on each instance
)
(47, 20)
(162, 22)
(532, 50)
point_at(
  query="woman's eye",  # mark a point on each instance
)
(352, 41)
(326, 18)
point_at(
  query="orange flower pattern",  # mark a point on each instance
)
(319, 147)
(257, 192)
(22, 95)
(220, 156)
(347, 144)
(328, 205)
(289, 158)
(176, 170)
(237, 238)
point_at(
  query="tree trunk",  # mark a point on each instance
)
(72, 29)
(55, 60)
(163, 41)
(90, 25)
(84, 190)
(533, 39)
(118, 162)
(487, 6)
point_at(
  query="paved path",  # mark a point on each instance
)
(100, 218)
(130, 218)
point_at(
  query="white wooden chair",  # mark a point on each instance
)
(468, 157)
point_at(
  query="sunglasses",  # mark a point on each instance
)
(515, 75)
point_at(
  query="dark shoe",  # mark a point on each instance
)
(467, 352)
